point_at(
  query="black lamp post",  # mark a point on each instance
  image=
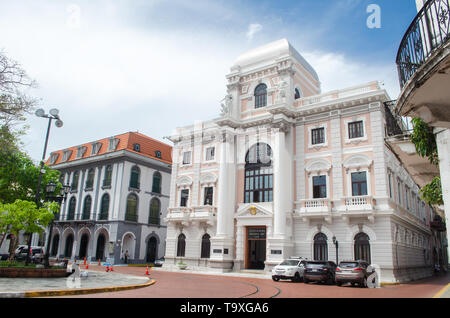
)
(50, 189)
(336, 243)
(53, 115)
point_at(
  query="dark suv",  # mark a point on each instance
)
(320, 271)
(355, 272)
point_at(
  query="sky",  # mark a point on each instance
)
(113, 66)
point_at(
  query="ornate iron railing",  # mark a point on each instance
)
(429, 31)
(396, 125)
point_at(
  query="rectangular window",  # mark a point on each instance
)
(208, 196)
(390, 185)
(184, 197)
(258, 185)
(359, 183)
(399, 188)
(407, 198)
(210, 152)
(318, 136)
(186, 157)
(319, 187)
(356, 129)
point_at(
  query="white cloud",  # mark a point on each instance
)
(253, 29)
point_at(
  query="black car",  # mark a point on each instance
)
(320, 271)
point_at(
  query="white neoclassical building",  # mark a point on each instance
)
(288, 170)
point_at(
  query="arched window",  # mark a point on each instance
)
(155, 207)
(134, 178)
(55, 245)
(297, 94)
(131, 211)
(320, 247)
(258, 174)
(87, 208)
(90, 179)
(261, 96)
(104, 207)
(206, 246)
(74, 185)
(71, 210)
(108, 176)
(181, 245)
(362, 247)
(156, 187)
(69, 246)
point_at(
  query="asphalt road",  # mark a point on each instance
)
(189, 285)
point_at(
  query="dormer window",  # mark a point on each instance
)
(53, 158)
(96, 146)
(113, 142)
(137, 147)
(261, 96)
(66, 155)
(158, 154)
(81, 151)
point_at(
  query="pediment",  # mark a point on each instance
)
(318, 165)
(184, 181)
(357, 161)
(208, 178)
(254, 210)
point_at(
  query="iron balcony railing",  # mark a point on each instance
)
(429, 31)
(396, 125)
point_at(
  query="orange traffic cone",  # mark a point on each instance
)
(107, 268)
(87, 266)
(146, 272)
(99, 262)
(112, 269)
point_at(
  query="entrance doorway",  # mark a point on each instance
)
(151, 250)
(69, 246)
(99, 254)
(256, 248)
(83, 246)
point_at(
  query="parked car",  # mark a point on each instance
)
(355, 272)
(36, 253)
(159, 262)
(320, 271)
(292, 268)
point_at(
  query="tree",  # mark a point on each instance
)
(425, 142)
(25, 216)
(14, 102)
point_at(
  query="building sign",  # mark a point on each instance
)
(256, 233)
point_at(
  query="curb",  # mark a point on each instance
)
(441, 292)
(68, 292)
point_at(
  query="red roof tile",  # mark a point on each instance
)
(148, 148)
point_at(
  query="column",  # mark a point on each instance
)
(443, 145)
(222, 244)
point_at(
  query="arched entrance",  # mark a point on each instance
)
(128, 244)
(84, 242)
(362, 247)
(100, 252)
(152, 250)
(320, 247)
(55, 244)
(68, 247)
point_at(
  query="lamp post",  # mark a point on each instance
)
(50, 189)
(336, 243)
(53, 115)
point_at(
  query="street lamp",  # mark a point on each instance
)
(53, 115)
(336, 243)
(50, 189)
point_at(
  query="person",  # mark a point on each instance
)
(126, 257)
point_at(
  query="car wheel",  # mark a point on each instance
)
(306, 281)
(339, 283)
(296, 277)
(275, 279)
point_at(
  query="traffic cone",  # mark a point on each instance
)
(146, 272)
(107, 268)
(84, 263)
(87, 266)
(99, 262)
(112, 269)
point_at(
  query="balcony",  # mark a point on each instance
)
(423, 62)
(398, 131)
(310, 209)
(185, 216)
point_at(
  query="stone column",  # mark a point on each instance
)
(443, 145)
(222, 243)
(282, 198)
